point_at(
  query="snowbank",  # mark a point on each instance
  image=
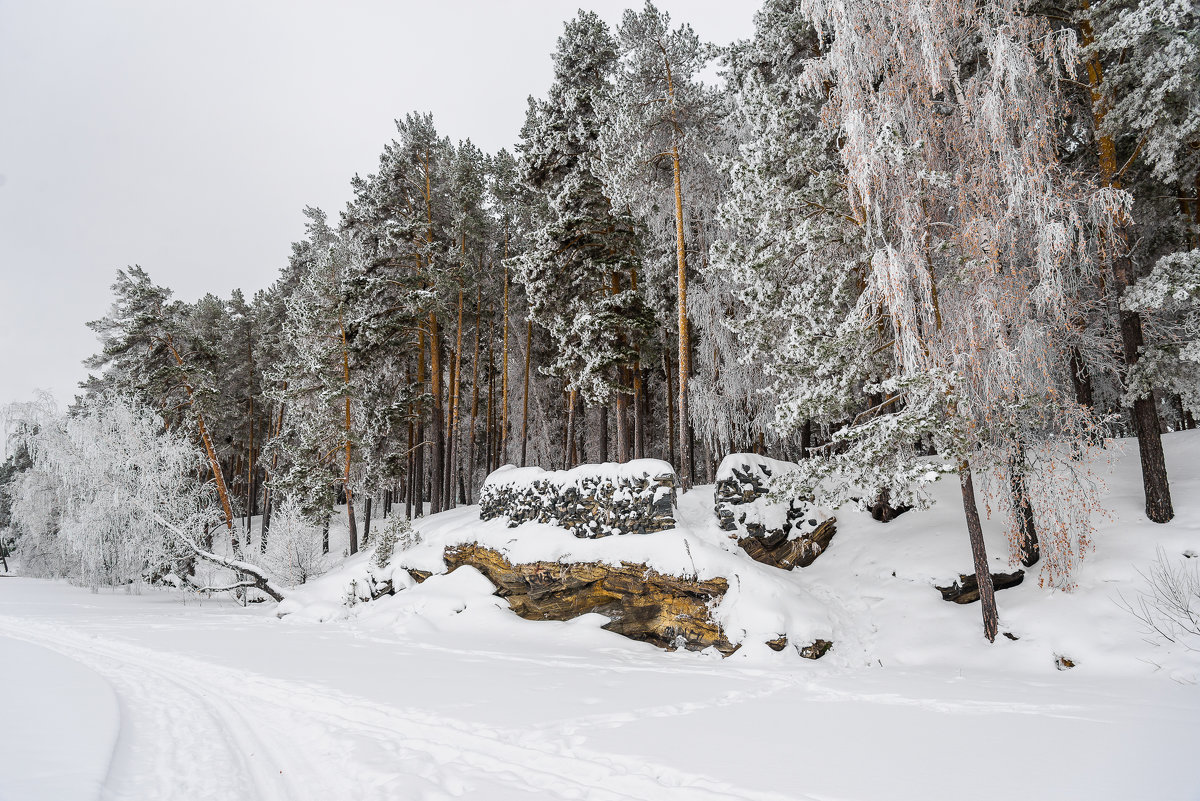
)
(872, 592)
(58, 725)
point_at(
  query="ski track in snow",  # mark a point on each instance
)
(196, 730)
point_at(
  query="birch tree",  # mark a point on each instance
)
(975, 233)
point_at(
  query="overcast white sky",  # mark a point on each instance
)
(187, 136)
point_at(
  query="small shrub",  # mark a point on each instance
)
(397, 534)
(1168, 604)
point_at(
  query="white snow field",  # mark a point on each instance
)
(440, 692)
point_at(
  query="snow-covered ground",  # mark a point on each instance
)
(440, 692)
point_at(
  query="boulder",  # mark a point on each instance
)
(784, 534)
(817, 649)
(668, 611)
(595, 500)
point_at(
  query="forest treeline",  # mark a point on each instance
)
(967, 230)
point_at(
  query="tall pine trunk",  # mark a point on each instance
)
(474, 399)
(525, 393)
(602, 427)
(438, 434)
(418, 479)
(1145, 414)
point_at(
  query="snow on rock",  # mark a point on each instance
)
(593, 500)
(873, 596)
(784, 533)
(737, 464)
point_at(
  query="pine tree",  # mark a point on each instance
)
(658, 119)
(580, 270)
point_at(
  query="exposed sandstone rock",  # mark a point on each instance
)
(817, 649)
(776, 549)
(668, 611)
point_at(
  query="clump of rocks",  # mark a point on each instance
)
(594, 500)
(783, 533)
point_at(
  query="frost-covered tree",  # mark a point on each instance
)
(314, 378)
(792, 251)
(115, 497)
(1143, 65)
(294, 553)
(1140, 60)
(659, 120)
(158, 352)
(976, 235)
(580, 274)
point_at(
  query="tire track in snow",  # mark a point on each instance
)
(245, 715)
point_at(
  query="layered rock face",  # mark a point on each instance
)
(595, 500)
(669, 611)
(786, 534)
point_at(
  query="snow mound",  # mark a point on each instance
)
(872, 593)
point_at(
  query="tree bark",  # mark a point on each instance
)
(438, 433)
(346, 478)
(1027, 538)
(987, 594)
(525, 394)
(474, 397)
(503, 456)
(1157, 488)
(602, 427)
(670, 410)
(569, 443)
(367, 520)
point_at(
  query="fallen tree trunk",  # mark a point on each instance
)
(966, 589)
(248, 575)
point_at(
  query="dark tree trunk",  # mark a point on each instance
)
(671, 453)
(410, 470)
(806, 439)
(569, 437)
(987, 594)
(602, 425)
(639, 414)
(1146, 423)
(367, 521)
(325, 537)
(622, 410)
(419, 472)
(437, 434)
(1081, 379)
(525, 392)
(1027, 538)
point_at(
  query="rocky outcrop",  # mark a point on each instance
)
(815, 650)
(785, 534)
(966, 589)
(591, 500)
(668, 611)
